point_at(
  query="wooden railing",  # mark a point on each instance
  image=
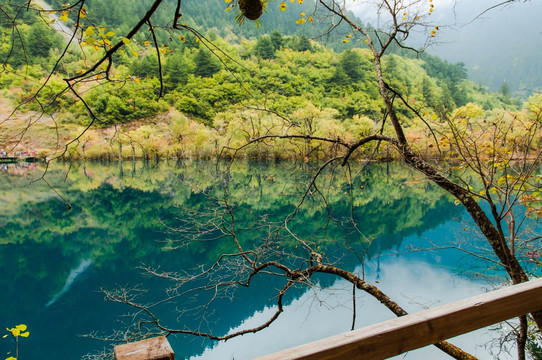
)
(413, 331)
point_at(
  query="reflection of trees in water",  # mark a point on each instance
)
(108, 210)
(115, 218)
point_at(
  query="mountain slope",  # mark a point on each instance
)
(502, 45)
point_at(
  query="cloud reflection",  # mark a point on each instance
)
(320, 313)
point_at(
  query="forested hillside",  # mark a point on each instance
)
(216, 16)
(495, 54)
(238, 84)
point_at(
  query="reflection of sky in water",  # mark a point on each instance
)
(325, 312)
(83, 265)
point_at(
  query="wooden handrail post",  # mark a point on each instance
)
(394, 337)
(157, 348)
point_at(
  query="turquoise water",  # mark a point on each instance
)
(55, 258)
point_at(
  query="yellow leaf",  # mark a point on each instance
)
(300, 1)
(182, 37)
(282, 6)
(25, 334)
(89, 31)
(137, 80)
(83, 13)
(228, 1)
(110, 33)
(309, 18)
(302, 15)
(126, 41)
(135, 53)
(15, 332)
(197, 40)
(64, 17)
(146, 43)
(300, 21)
(349, 36)
(227, 9)
(345, 40)
(21, 327)
(91, 41)
(5, 336)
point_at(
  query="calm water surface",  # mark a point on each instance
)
(54, 260)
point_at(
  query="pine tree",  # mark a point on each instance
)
(351, 64)
(264, 48)
(277, 39)
(304, 44)
(206, 64)
(176, 70)
(505, 90)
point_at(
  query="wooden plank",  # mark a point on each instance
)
(157, 348)
(394, 337)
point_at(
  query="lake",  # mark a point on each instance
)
(382, 221)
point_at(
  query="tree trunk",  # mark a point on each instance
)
(495, 239)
